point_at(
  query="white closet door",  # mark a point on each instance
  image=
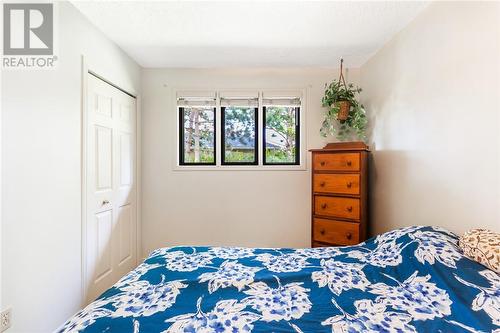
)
(111, 226)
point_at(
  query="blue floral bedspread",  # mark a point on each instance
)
(408, 280)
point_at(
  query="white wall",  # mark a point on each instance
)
(433, 94)
(41, 277)
(245, 208)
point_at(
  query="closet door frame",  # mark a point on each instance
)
(87, 69)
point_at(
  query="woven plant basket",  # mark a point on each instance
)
(344, 110)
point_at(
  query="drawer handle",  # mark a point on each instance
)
(105, 202)
(349, 163)
(323, 206)
(322, 231)
(322, 184)
(322, 163)
(348, 235)
(349, 185)
(349, 209)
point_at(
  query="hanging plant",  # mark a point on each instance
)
(345, 116)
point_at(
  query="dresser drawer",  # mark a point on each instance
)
(336, 162)
(335, 232)
(336, 207)
(336, 183)
(319, 244)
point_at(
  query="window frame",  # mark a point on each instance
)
(223, 138)
(297, 160)
(181, 133)
(220, 92)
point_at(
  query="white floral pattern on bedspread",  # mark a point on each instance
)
(412, 279)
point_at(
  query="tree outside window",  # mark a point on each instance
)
(198, 135)
(239, 135)
(281, 135)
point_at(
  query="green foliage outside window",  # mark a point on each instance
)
(239, 156)
(280, 142)
(239, 134)
(199, 135)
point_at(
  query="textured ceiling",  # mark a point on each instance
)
(249, 33)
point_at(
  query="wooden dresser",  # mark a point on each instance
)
(339, 194)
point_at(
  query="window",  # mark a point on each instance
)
(197, 132)
(239, 132)
(232, 128)
(281, 132)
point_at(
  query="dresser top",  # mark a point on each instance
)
(343, 146)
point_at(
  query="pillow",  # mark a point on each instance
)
(482, 246)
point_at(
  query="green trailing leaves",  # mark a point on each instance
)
(356, 122)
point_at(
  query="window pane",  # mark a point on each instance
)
(281, 135)
(239, 135)
(198, 135)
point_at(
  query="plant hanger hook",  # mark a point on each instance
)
(341, 76)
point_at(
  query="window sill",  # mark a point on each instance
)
(182, 168)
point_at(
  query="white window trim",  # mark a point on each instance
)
(302, 92)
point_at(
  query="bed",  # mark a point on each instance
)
(413, 279)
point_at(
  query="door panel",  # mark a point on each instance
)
(104, 229)
(125, 225)
(111, 200)
(104, 157)
(125, 112)
(104, 106)
(126, 163)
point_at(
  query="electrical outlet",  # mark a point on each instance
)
(5, 319)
